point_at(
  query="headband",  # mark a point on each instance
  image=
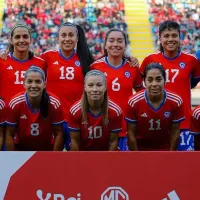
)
(20, 25)
(35, 69)
(69, 24)
(95, 72)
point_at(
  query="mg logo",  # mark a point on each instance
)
(114, 193)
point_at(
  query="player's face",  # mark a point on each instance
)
(21, 39)
(34, 84)
(170, 40)
(154, 82)
(95, 87)
(115, 44)
(68, 38)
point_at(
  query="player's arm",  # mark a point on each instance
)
(113, 144)
(75, 140)
(58, 135)
(175, 134)
(1, 137)
(132, 143)
(10, 130)
(133, 61)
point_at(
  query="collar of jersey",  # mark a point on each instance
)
(66, 58)
(145, 95)
(95, 116)
(114, 67)
(178, 54)
(11, 55)
(33, 111)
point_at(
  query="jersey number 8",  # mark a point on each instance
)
(35, 129)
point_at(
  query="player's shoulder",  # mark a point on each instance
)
(39, 59)
(189, 57)
(18, 99)
(196, 112)
(51, 52)
(137, 97)
(114, 108)
(171, 96)
(98, 62)
(54, 100)
(76, 108)
(153, 55)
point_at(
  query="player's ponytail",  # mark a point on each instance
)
(83, 52)
(44, 105)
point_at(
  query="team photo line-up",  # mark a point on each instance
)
(65, 99)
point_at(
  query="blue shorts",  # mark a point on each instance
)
(186, 141)
(67, 139)
(123, 144)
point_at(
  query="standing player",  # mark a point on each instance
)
(121, 78)
(2, 120)
(12, 69)
(153, 116)
(179, 67)
(35, 116)
(95, 121)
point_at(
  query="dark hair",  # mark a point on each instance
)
(106, 38)
(155, 66)
(10, 47)
(85, 104)
(45, 100)
(82, 51)
(168, 25)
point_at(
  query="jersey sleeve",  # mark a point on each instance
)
(2, 113)
(116, 123)
(178, 114)
(138, 78)
(196, 69)
(58, 117)
(11, 116)
(145, 62)
(195, 121)
(74, 122)
(130, 113)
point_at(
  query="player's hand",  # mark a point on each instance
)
(134, 62)
(3, 55)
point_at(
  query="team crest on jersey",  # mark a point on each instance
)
(167, 114)
(182, 65)
(127, 74)
(77, 63)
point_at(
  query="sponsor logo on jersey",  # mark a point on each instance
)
(10, 68)
(77, 63)
(127, 74)
(23, 117)
(182, 65)
(167, 114)
(47, 196)
(114, 193)
(55, 63)
(144, 115)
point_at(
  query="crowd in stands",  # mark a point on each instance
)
(185, 12)
(45, 16)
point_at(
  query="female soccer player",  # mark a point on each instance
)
(179, 67)
(20, 58)
(153, 115)
(35, 118)
(121, 77)
(95, 120)
(2, 122)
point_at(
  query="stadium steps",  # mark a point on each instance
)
(139, 30)
(1, 13)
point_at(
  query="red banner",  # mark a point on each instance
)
(104, 176)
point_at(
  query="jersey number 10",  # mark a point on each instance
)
(95, 132)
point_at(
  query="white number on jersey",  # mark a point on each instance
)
(115, 85)
(185, 138)
(19, 77)
(67, 73)
(154, 125)
(35, 129)
(95, 133)
(174, 73)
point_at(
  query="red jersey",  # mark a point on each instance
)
(120, 83)
(95, 136)
(33, 132)
(64, 78)
(195, 121)
(178, 73)
(154, 125)
(12, 73)
(2, 112)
